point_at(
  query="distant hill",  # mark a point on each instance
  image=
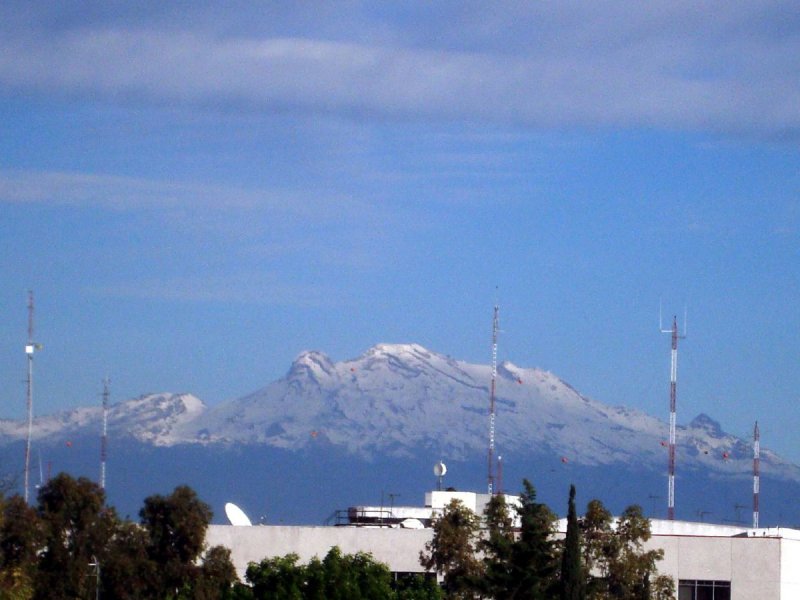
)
(330, 434)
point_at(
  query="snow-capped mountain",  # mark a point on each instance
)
(150, 418)
(397, 399)
(400, 400)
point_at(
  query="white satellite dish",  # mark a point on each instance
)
(236, 515)
(439, 469)
(412, 524)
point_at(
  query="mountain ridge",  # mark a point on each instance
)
(402, 399)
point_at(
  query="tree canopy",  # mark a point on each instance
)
(338, 576)
(72, 545)
(495, 559)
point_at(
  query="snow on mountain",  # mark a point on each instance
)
(150, 418)
(398, 400)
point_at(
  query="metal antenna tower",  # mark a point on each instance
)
(30, 348)
(673, 382)
(495, 324)
(104, 439)
(756, 473)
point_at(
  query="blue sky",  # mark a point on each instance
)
(198, 193)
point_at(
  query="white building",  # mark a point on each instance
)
(707, 562)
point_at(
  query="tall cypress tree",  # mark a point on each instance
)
(572, 583)
(532, 565)
(497, 546)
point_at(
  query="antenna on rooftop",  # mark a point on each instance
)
(673, 381)
(495, 324)
(30, 348)
(756, 473)
(104, 438)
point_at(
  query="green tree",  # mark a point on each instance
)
(572, 578)
(626, 570)
(336, 577)
(355, 576)
(176, 526)
(631, 567)
(126, 571)
(533, 561)
(662, 588)
(416, 587)
(279, 578)
(597, 536)
(77, 528)
(21, 539)
(451, 551)
(496, 547)
(217, 575)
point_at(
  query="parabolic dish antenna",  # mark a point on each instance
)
(439, 469)
(236, 515)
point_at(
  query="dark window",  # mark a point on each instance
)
(700, 589)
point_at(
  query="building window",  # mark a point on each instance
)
(693, 589)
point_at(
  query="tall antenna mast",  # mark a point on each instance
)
(30, 348)
(756, 473)
(673, 382)
(495, 324)
(103, 440)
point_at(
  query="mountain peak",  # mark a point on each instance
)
(703, 421)
(313, 364)
(397, 350)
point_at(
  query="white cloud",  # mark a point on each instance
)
(114, 192)
(674, 66)
(250, 288)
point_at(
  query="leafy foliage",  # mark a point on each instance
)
(336, 577)
(497, 546)
(73, 546)
(625, 569)
(533, 563)
(21, 539)
(451, 551)
(177, 525)
(77, 527)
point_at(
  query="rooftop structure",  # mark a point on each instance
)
(721, 562)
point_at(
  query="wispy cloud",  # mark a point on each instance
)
(250, 288)
(685, 67)
(258, 229)
(130, 193)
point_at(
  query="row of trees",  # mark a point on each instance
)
(71, 545)
(336, 577)
(597, 559)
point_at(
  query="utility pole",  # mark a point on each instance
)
(673, 383)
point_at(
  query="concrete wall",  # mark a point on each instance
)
(758, 567)
(790, 568)
(398, 548)
(752, 565)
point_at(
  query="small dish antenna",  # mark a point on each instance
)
(236, 515)
(439, 469)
